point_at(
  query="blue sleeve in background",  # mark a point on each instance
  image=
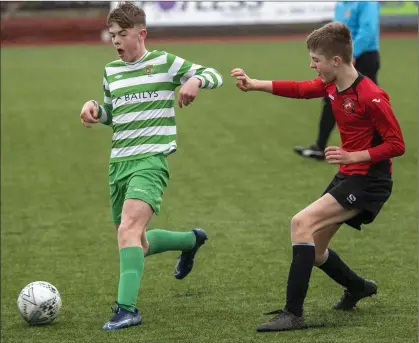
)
(367, 35)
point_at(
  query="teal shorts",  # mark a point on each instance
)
(143, 179)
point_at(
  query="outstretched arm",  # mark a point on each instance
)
(289, 89)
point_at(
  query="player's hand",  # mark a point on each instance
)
(336, 155)
(89, 114)
(188, 92)
(244, 82)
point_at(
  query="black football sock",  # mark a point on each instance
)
(299, 276)
(335, 268)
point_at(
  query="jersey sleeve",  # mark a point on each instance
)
(385, 122)
(105, 110)
(182, 70)
(369, 26)
(300, 89)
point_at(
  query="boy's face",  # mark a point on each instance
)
(325, 67)
(127, 42)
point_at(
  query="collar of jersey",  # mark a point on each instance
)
(352, 86)
(133, 64)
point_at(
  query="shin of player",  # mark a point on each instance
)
(370, 138)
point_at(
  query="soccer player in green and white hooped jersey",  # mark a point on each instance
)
(139, 106)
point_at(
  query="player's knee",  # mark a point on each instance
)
(144, 243)
(146, 247)
(300, 229)
(129, 233)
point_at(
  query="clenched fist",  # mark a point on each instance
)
(189, 91)
(89, 113)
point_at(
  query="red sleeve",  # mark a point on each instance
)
(300, 89)
(387, 126)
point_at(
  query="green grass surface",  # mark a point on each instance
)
(235, 175)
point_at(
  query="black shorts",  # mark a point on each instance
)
(362, 192)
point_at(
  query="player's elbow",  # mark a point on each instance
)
(398, 148)
(213, 77)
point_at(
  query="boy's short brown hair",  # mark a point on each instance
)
(127, 15)
(333, 39)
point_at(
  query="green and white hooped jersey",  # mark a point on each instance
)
(139, 101)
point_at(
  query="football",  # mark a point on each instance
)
(39, 303)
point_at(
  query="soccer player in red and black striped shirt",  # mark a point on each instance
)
(370, 136)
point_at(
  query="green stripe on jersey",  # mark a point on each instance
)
(186, 66)
(144, 123)
(123, 143)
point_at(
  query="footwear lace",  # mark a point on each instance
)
(278, 313)
(115, 308)
(346, 295)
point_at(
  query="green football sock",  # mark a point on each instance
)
(131, 269)
(162, 240)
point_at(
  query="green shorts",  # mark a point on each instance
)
(143, 179)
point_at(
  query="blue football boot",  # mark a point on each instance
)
(123, 319)
(185, 261)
